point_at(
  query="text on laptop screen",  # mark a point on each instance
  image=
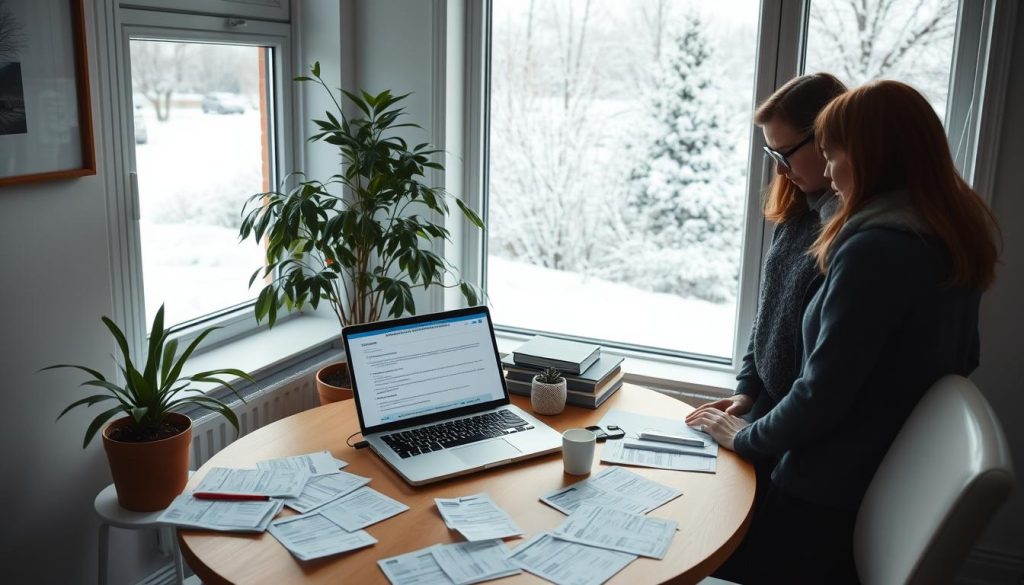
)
(424, 368)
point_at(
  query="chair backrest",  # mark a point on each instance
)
(946, 473)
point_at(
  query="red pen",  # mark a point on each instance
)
(233, 497)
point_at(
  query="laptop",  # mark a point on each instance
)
(432, 400)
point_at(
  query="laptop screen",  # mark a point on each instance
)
(424, 367)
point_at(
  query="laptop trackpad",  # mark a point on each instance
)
(486, 452)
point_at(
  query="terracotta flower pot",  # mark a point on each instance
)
(148, 475)
(547, 398)
(328, 392)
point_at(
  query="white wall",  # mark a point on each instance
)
(57, 282)
(1001, 374)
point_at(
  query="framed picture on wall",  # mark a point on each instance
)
(45, 114)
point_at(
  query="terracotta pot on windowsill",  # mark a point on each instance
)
(338, 385)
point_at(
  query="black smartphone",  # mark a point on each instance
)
(613, 432)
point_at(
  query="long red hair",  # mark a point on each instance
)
(895, 141)
(796, 103)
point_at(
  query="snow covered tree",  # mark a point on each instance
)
(685, 197)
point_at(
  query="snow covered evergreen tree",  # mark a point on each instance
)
(685, 197)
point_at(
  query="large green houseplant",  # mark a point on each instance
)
(362, 239)
(148, 447)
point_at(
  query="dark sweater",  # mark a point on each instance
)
(790, 279)
(881, 329)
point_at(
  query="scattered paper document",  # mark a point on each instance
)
(618, 530)
(286, 483)
(568, 563)
(708, 450)
(414, 568)
(311, 536)
(316, 464)
(614, 487)
(616, 452)
(229, 516)
(477, 517)
(473, 562)
(634, 424)
(325, 489)
(362, 508)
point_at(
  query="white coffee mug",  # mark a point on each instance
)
(578, 451)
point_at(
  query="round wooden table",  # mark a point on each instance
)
(713, 512)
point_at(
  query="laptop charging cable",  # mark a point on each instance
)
(357, 444)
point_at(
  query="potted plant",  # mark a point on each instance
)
(547, 392)
(148, 447)
(363, 238)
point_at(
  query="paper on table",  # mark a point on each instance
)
(633, 424)
(708, 450)
(616, 452)
(568, 563)
(614, 487)
(324, 489)
(618, 530)
(477, 517)
(311, 536)
(362, 508)
(278, 483)
(473, 562)
(228, 516)
(418, 567)
(320, 463)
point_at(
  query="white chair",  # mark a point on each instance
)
(946, 473)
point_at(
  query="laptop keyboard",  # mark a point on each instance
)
(456, 432)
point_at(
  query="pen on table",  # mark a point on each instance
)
(229, 497)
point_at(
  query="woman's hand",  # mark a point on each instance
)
(737, 404)
(722, 426)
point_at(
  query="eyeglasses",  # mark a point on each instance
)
(783, 157)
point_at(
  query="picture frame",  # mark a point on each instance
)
(45, 109)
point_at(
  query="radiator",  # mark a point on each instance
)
(210, 434)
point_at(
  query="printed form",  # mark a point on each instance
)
(618, 530)
(614, 487)
(246, 516)
(287, 483)
(362, 508)
(324, 489)
(477, 517)
(321, 463)
(568, 563)
(311, 536)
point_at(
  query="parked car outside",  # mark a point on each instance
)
(224, 103)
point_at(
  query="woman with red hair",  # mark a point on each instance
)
(905, 258)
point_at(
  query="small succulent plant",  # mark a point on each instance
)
(550, 376)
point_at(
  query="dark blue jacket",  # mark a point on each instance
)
(881, 329)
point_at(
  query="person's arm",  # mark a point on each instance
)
(866, 292)
(749, 380)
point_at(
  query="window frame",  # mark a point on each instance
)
(129, 295)
(981, 44)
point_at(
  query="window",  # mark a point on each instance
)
(885, 39)
(618, 169)
(623, 174)
(208, 129)
(201, 149)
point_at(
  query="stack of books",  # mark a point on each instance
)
(590, 377)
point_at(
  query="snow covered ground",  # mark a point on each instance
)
(523, 295)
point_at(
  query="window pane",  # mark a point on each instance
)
(201, 147)
(861, 40)
(618, 168)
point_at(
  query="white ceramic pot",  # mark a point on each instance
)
(547, 398)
